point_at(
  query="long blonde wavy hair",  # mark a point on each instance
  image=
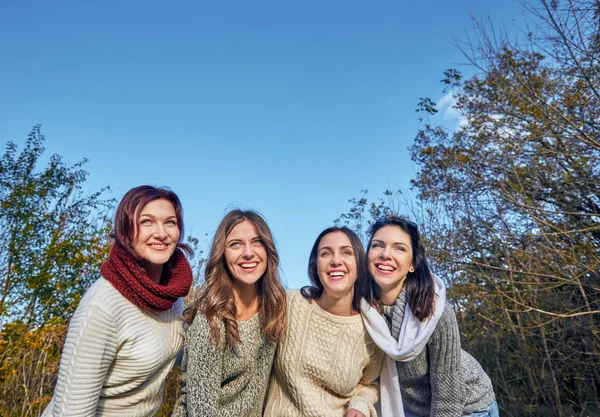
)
(215, 300)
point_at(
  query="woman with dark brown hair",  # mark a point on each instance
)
(426, 373)
(236, 322)
(327, 364)
(127, 330)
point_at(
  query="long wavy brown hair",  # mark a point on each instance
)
(215, 299)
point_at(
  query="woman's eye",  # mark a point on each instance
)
(375, 245)
(347, 253)
(325, 254)
(172, 222)
(258, 242)
(145, 221)
(234, 244)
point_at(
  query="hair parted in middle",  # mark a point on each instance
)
(362, 285)
(419, 285)
(216, 301)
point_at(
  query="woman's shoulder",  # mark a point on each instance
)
(290, 293)
(448, 317)
(295, 299)
(98, 309)
(102, 295)
(199, 324)
(446, 329)
(299, 307)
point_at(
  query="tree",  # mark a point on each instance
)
(362, 214)
(518, 184)
(53, 240)
(509, 205)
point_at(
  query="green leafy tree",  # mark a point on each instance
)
(54, 238)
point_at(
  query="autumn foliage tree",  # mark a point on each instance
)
(54, 238)
(510, 204)
(518, 183)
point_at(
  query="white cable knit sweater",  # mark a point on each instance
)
(116, 357)
(325, 364)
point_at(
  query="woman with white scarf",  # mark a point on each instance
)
(426, 373)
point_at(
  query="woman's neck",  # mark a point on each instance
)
(389, 295)
(340, 306)
(246, 300)
(154, 272)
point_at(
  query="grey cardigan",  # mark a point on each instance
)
(443, 380)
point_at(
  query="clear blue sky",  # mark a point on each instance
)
(289, 108)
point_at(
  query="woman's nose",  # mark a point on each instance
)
(248, 252)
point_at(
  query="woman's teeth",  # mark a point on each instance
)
(385, 268)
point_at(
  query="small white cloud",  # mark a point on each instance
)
(447, 100)
(445, 106)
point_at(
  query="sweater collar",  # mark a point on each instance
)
(395, 314)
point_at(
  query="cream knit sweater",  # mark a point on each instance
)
(116, 357)
(325, 365)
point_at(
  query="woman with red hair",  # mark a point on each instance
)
(127, 330)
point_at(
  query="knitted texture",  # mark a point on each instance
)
(116, 357)
(325, 365)
(131, 280)
(443, 380)
(230, 381)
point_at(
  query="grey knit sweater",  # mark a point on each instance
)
(224, 382)
(443, 380)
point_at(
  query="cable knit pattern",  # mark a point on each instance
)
(325, 365)
(229, 381)
(443, 380)
(116, 357)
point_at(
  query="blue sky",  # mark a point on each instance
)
(289, 108)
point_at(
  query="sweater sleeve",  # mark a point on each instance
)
(447, 385)
(90, 348)
(366, 392)
(180, 407)
(200, 373)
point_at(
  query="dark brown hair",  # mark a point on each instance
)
(419, 285)
(362, 287)
(216, 299)
(128, 215)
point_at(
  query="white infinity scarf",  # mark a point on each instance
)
(414, 335)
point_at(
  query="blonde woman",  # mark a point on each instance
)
(235, 324)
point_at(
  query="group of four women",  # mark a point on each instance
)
(373, 334)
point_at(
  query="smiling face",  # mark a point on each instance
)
(156, 235)
(336, 265)
(245, 254)
(390, 258)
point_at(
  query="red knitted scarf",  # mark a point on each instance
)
(131, 280)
